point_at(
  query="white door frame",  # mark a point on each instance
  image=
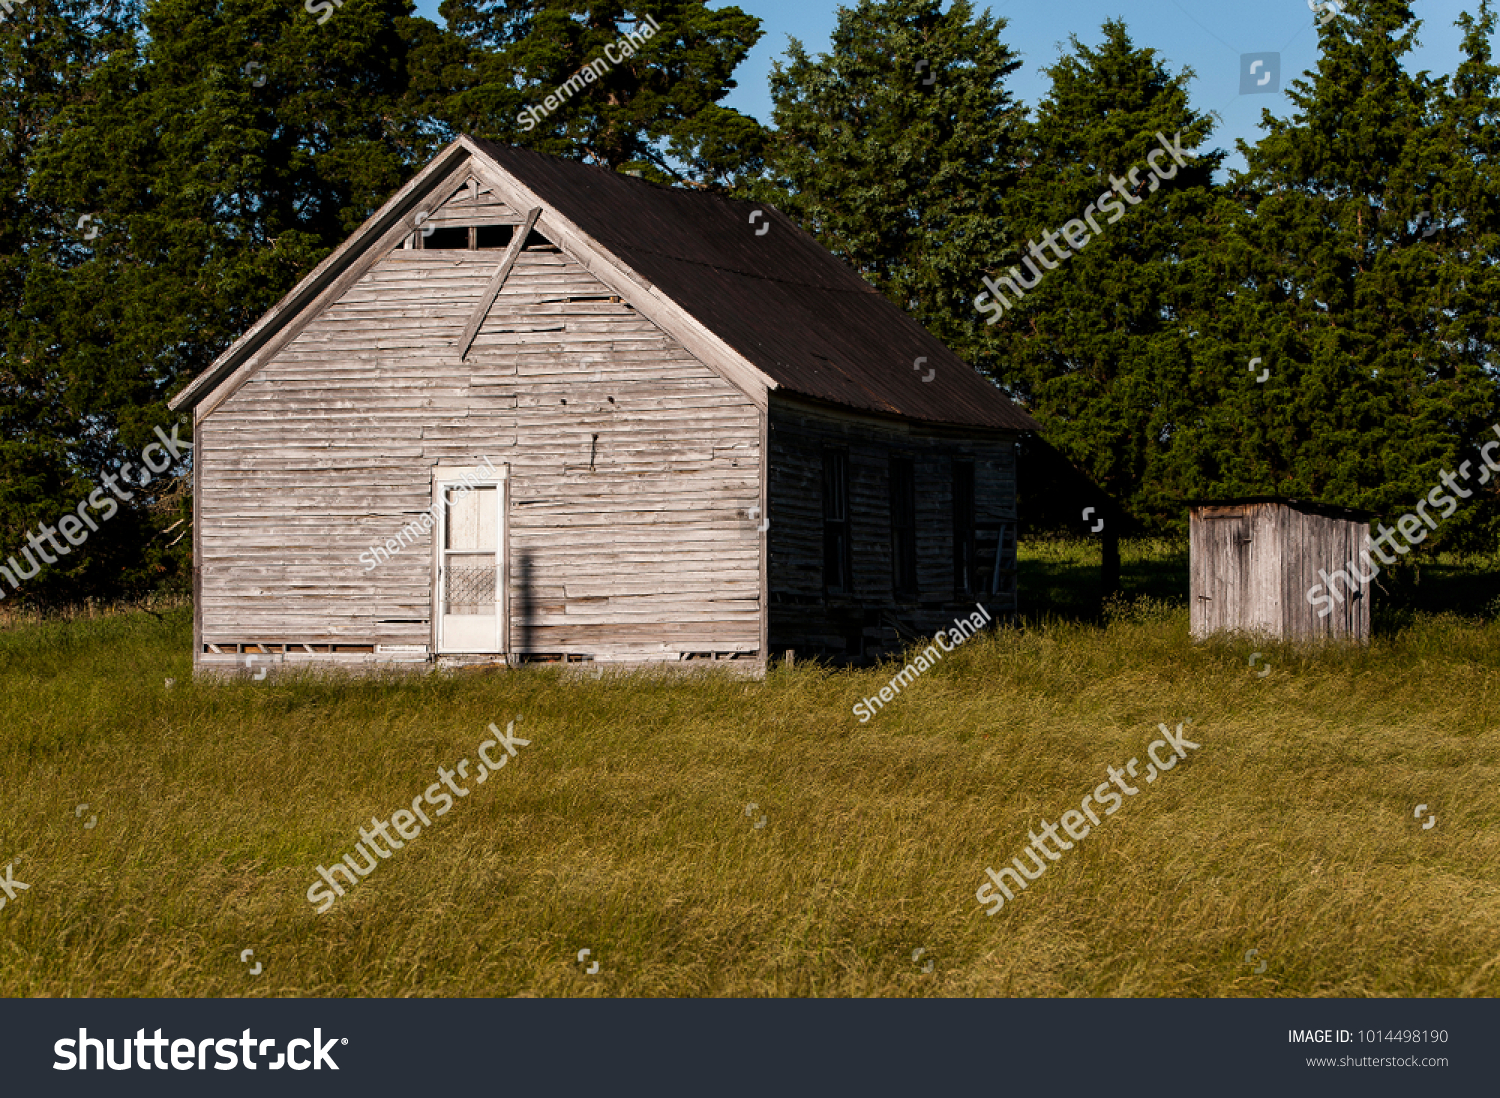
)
(481, 475)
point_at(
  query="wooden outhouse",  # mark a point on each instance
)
(1281, 568)
(534, 409)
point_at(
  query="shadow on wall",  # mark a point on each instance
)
(525, 605)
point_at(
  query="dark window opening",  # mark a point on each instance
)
(472, 237)
(836, 578)
(494, 236)
(965, 542)
(903, 526)
(444, 239)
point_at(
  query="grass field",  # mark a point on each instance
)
(622, 828)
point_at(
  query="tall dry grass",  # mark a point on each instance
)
(622, 829)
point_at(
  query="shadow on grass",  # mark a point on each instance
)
(1467, 586)
(1063, 579)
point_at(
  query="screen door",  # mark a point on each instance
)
(470, 585)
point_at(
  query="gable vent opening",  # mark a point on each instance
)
(444, 239)
(476, 237)
(494, 236)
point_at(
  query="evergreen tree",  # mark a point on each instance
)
(1102, 348)
(49, 53)
(895, 149)
(1363, 273)
(202, 167)
(658, 110)
(1462, 223)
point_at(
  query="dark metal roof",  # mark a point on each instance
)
(1307, 506)
(770, 291)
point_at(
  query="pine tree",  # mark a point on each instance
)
(1363, 274)
(1462, 223)
(1102, 347)
(895, 149)
(49, 53)
(193, 176)
(658, 110)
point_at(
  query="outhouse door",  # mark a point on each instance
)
(469, 570)
(1221, 563)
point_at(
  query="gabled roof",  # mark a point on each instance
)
(784, 313)
(770, 291)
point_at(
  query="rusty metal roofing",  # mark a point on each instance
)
(770, 291)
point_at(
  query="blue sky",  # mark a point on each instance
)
(1208, 37)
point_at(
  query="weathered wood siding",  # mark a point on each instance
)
(1222, 565)
(630, 545)
(1322, 543)
(873, 617)
(1252, 565)
(472, 203)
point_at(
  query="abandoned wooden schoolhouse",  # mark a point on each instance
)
(538, 410)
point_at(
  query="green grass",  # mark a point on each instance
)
(622, 827)
(1060, 577)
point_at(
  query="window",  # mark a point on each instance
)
(836, 578)
(472, 238)
(445, 238)
(493, 236)
(965, 544)
(903, 526)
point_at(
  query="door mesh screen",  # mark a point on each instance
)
(470, 589)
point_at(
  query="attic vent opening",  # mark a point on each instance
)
(446, 238)
(476, 237)
(495, 236)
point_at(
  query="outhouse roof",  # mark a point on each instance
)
(1307, 506)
